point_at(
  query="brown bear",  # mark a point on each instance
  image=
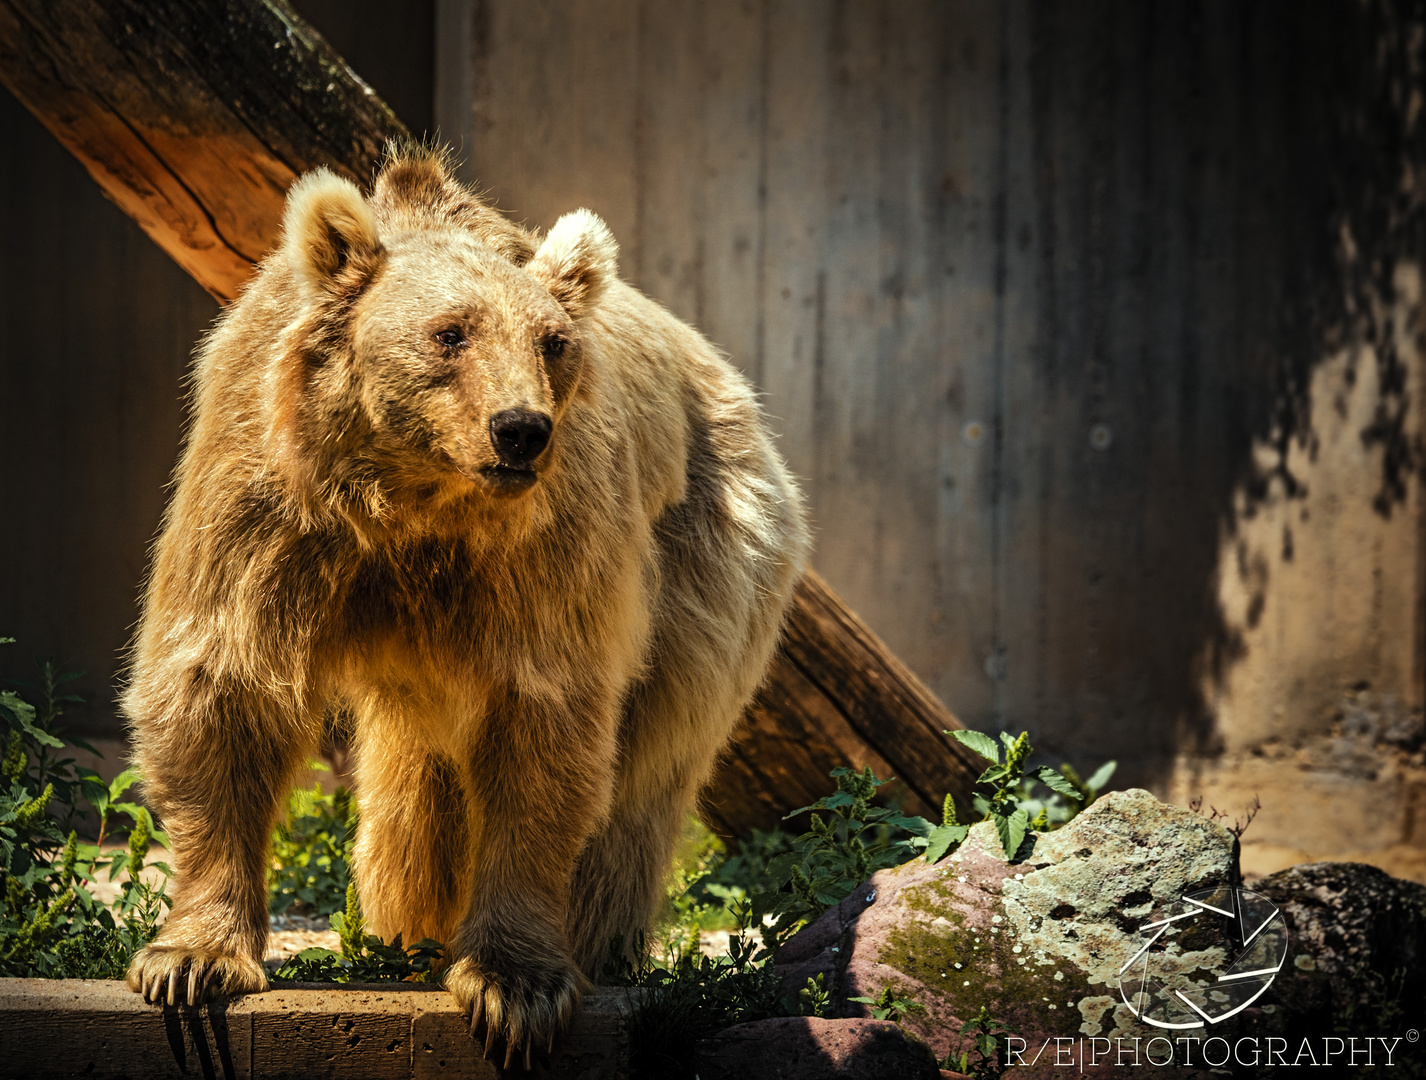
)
(524, 526)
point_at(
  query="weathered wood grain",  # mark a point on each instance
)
(193, 117)
(837, 696)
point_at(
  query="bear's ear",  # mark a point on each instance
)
(415, 176)
(577, 261)
(329, 233)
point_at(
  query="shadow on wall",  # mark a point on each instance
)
(1211, 458)
(1320, 589)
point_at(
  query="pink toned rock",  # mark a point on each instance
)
(1041, 944)
(807, 1048)
(1038, 942)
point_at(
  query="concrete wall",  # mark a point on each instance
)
(1094, 330)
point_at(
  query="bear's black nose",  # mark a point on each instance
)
(519, 436)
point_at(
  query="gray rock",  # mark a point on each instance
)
(1041, 942)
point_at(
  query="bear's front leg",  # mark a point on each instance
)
(217, 762)
(543, 782)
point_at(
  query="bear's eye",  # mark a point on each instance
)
(552, 347)
(452, 337)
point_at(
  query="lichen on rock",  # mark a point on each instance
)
(1039, 942)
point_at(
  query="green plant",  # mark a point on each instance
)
(311, 851)
(51, 924)
(887, 1006)
(692, 904)
(836, 854)
(1051, 810)
(364, 957)
(814, 999)
(707, 886)
(1009, 804)
(695, 997)
(988, 1041)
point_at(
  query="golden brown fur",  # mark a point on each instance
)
(541, 667)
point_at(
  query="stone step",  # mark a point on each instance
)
(100, 1029)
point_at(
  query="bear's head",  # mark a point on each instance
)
(433, 348)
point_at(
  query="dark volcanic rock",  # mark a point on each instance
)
(1356, 963)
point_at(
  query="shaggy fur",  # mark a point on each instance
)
(541, 666)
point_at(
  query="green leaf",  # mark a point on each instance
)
(121, 783)
(22, 717)
(941, 839)
(916, 826)
(982, 744)
(1101, 777)
(1012, 830)
(75, 740)
(992, 774)
(1056, 780)
(96, 791)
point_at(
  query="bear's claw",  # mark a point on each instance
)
(514, 1013)
(174, 975)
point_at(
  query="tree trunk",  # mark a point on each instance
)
(195, 116)
(836, 695)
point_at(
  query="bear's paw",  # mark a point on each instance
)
(522, 1007)
(181, 975)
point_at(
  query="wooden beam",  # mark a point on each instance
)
(836, 695)
(194, 116)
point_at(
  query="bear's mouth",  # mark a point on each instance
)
(509, 479)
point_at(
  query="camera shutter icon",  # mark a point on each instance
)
(1244, 927)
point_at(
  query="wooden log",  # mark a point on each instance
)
(836, 695)
(194, 116)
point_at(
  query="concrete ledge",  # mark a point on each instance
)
(62, 1028)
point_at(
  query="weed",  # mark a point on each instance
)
(311, 851)
(836, 854)
(988, 1042)
(1010, 803)
(695, 997)
(364, 957)
(887, 1006)
(51, 924)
